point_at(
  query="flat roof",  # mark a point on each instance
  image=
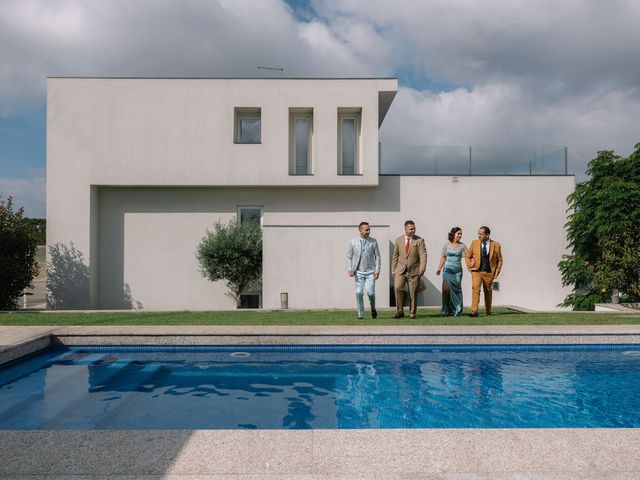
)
(224, 78)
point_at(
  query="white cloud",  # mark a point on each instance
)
(557, 46)
(528, 72)
(28, 193)
(43, 38)
(500, 114)
(534, 72)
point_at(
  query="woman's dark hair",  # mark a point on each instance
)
(453, 232)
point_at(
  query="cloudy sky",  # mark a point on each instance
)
(491, 72)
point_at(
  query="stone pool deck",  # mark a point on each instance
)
(422, 454)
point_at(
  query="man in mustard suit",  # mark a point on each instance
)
(408, 265)
(484, 261)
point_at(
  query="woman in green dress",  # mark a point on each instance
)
(451, 268)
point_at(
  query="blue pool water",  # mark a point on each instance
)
(301, 387)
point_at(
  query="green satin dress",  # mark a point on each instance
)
(452, 275)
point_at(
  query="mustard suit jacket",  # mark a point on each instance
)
(409, 263)
(495, 257)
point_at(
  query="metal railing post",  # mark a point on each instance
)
(470, 165)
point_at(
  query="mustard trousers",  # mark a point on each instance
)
(484, 280)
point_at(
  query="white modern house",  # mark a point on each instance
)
(139, 168)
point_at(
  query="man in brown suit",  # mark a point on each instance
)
(484, 261)
(409, 264)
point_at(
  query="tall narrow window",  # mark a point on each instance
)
(348, 141)
(248, 125)
(251, 296)
(301, 145)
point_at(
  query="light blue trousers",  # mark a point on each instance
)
(365, 283)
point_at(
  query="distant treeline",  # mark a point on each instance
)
(39, 226)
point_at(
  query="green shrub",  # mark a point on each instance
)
(18, 265)
(232, 252)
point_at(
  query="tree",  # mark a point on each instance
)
(18, 265)
(39, 226)
(232, 252)
(604, 232)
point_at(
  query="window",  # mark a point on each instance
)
(248, 126)
(301, 141)
(250, 213)
(251, 297)
(349, 141)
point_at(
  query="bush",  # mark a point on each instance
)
(232, 252)
(18, 266)
(604, 232)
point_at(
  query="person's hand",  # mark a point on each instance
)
(350, 272)
(376, 275)
(438, 272)
(420, 272)
(472, 263)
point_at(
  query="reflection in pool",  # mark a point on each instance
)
(302, 387)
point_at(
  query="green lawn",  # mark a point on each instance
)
(426, 316)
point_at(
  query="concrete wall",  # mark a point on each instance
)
(181, 131)
(308, 262)
(148, 237)
(525, 214)
(137, 170)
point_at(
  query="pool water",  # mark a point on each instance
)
(303, 387)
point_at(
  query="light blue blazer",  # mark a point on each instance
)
(365, 259)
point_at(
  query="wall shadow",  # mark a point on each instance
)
(68, 283)
(67, 278)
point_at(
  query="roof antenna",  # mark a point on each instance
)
(279, 69)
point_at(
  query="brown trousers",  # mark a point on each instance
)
(484, 280)
(398, 286)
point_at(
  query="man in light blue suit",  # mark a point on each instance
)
(363, 263)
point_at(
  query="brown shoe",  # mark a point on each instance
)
(473, 314)
(398, 315)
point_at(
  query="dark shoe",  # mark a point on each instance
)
(413, 315)
(398, 315)
(360, 318)
(473, 314)
(488, 314)
(374, 313)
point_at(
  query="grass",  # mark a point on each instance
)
(426, 316)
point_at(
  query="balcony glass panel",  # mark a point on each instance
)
(424, 160)
(483, 160)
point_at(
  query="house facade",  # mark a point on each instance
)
(139, 169)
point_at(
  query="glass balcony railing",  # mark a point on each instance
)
(494, 160)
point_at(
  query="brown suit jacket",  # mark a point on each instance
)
(412, 263)
(495, 257)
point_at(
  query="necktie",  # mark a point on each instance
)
(484, 248)
(407, 245)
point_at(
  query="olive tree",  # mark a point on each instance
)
(232, 252)
(18, 265)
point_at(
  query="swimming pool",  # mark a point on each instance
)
(324, 387)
